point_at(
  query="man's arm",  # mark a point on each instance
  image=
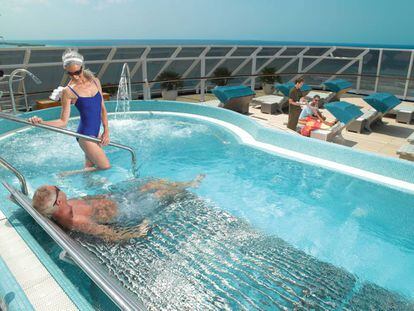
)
(109, 234)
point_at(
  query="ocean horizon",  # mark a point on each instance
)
(160, 42)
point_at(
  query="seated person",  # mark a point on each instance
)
(91, 214)
(311, 111)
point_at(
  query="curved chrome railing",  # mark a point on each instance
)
(23, 183)
(14, 72)
(118, 294)
(71, 133)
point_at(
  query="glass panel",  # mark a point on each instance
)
(289, 72)
(307, 62)
(232, 64)
(95, 68)
(94, 54)
(350, 74)
(46, 56)
(161, 52)
(370, 63)
(324, 70)
(180, 66)
(128, 53)
(153, 68)
(195, 72)
(50, 76)
(268, 51)
(394, 64)
(11, 57)
(347, 52)
(316, 51)
(278, 63)
(292, 51)
(210, 63)
(243, 51)
(113, 73)
(218, 51)
(191, 52)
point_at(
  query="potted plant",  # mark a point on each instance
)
(268, 79)
(110, 89)
(219, 75)
(169, 89)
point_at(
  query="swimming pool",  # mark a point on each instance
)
(261, 231)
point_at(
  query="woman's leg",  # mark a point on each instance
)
(95, 156)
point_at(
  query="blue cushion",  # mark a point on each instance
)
(337, 85)
(225, 93)
(344, 111)
(382, 102)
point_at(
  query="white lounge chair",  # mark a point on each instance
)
(271, 103)
(369, 117)
(407, 151)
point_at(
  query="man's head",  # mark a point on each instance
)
(299, 83)
(315, 100)
(47, 200)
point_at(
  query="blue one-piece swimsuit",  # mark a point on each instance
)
(90, 113)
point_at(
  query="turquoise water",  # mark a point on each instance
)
(260, 231)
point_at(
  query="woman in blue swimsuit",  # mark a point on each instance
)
(85, 92)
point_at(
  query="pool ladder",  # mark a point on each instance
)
(74, 134)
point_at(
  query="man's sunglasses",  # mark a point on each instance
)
(75, 73)
(57, 195)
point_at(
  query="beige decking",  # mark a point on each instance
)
(385, 139)
(41, 289)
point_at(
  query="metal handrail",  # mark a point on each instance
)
(71, 133)
(23, 183)
(118, 294)
(14, 73)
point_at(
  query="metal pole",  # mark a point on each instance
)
(23, 183)
(70, 133)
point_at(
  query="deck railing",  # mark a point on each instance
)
(369, 69)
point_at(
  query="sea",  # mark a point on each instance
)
(163, 42)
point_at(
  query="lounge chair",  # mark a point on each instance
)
(236, 98)
(407, 151)
(271, 103)
(381, 103)
(338, 87)
(345, 113)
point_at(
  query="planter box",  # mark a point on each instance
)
(169, 95)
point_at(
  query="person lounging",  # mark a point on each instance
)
(91, 214)
(312, 118)
(85, 92)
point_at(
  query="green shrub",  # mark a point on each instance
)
(270, 76)
(219, 73)
(170, 75)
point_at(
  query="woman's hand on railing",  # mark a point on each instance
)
(105, 140)
(35, 120)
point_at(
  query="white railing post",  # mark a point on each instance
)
(378, 70)
(146, 87)
(253, 80)
(203, 81)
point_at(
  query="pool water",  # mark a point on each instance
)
(260, 231)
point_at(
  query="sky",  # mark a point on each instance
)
(385, 22)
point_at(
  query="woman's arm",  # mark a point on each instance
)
(104, 115)
(64, 115)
